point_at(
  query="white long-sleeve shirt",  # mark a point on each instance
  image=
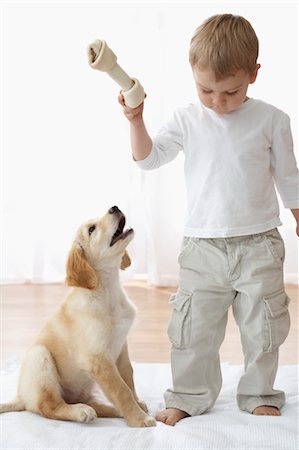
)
(232, 162)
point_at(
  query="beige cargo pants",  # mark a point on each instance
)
(247, 273)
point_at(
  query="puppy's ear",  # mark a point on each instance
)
(125, 261)
(79, 272)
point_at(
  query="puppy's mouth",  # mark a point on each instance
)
(120, 233)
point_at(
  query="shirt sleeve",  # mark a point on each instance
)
(283, 164)
(166, 145)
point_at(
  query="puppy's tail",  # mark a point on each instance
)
(17, 405)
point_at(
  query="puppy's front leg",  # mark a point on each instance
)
(106, 374)
(126, 371)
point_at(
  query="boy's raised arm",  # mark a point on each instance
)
(141, 142)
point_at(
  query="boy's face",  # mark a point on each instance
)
(226, 95)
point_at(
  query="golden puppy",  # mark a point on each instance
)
(84, 344)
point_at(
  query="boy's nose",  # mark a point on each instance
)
(218, 100)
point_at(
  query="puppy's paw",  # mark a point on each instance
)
(149, 422)
(85, 413)
(142, 405)
(142, 421)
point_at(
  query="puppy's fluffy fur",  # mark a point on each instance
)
(84, 345)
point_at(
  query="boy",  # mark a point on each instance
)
(235, 149)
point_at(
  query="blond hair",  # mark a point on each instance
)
(224, 43)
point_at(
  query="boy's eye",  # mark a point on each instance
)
(232, 93)
(206, 92)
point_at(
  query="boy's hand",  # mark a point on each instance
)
(296, 216)
(134, 115)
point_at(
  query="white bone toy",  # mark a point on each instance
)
(101, 57)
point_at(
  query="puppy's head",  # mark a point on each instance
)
(100, 244)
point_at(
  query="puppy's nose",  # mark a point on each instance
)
(114, 210)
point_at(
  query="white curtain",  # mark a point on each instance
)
(65, 151)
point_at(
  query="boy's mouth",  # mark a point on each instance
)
(220, 111)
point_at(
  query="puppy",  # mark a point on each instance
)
(83, 346)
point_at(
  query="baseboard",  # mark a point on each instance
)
(291, 278)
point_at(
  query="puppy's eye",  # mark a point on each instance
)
(91, 229)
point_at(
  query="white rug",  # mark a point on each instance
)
(225, 427)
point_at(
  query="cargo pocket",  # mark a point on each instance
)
(276, 320)
(179, 328)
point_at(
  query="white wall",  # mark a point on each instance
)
(65, 143)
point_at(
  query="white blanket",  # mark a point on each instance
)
(224, 427)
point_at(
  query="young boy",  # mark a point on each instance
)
(236, 149)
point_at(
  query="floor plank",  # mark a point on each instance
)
(25, 308)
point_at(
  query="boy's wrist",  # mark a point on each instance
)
(137, 122)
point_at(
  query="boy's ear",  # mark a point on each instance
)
(125, 261)
(254, 75)
(79, 272)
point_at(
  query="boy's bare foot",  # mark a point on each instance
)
(266, 411)
(170, 416)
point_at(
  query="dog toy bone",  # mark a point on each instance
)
(101, 57)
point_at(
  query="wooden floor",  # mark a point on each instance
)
(25, 308)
